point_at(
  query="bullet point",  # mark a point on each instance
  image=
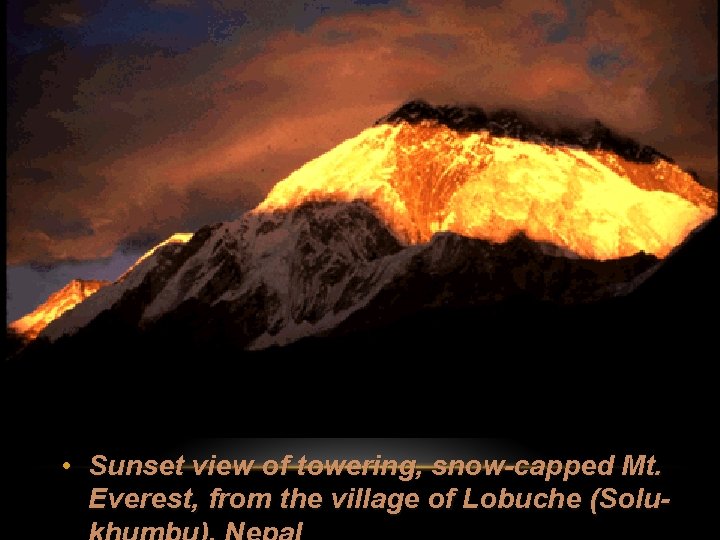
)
(66, 465)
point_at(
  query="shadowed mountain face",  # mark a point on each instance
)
(670, 312)
(327, 268)
(412, 216)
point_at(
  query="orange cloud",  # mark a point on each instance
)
(148, 131)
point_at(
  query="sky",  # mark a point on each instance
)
(131, 120)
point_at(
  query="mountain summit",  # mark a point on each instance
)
(75, 292)
(509, 123)
(426, 170)
(432, 207)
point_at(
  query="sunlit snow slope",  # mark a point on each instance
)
(353, 235)
(85, 309)
(423, 178)
(57, 303)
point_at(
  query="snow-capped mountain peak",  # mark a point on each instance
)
(107, 294)
(430, 206)
(422, 176)
(72, 294)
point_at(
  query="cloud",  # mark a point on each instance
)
(134, 136)
(172, 3)
(438, 45)
(56, 14)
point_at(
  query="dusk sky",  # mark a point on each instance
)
(131, 120)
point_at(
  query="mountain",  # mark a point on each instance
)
(154, 260)
(431, 209)
(175, 239)
(68, 298)
(424, 177)
(508, 123)
(78, 290)
(668, 312)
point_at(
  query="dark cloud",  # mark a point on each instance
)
(571, 24)
(440, 45)
(483, 4)
(711, 101)
(607, 64)
(207, 206)
(338, 36)
(52, 14)
(373, 2)
(35, 176)
(245, 89)
(128, 121)
(139, 242)
(59, 226)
